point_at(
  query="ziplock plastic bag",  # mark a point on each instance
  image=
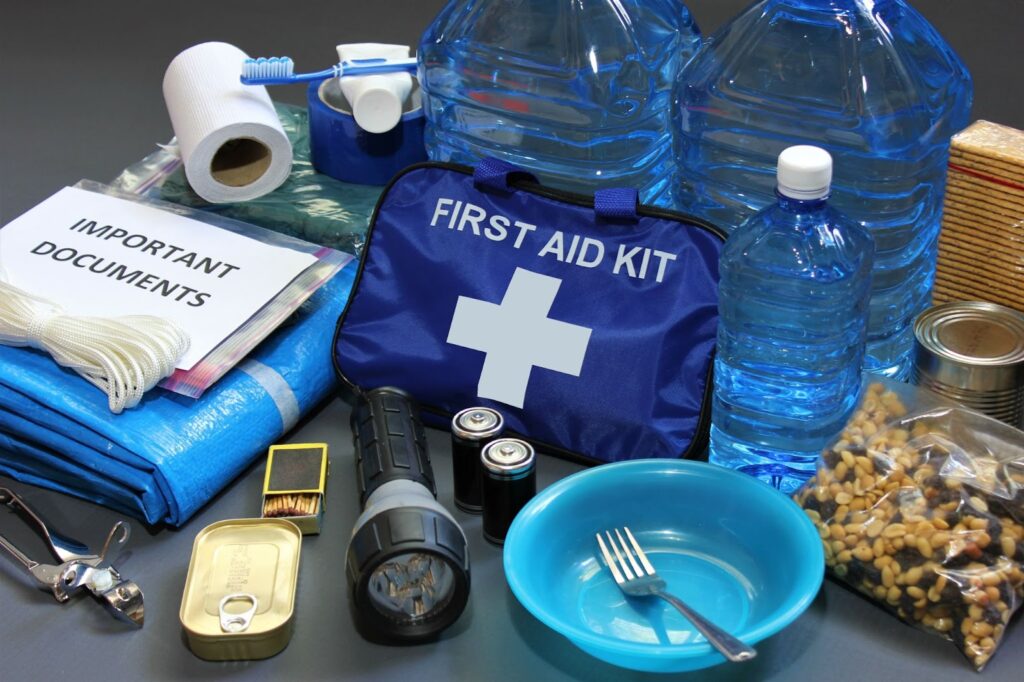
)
(920, 506)
(268, 318)
(308, 205)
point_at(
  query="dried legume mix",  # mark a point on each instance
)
(919, 513)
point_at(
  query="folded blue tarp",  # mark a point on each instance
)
(166, 458)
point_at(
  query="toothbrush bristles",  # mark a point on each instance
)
(268, 67)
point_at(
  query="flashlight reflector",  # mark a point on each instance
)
(412, 586)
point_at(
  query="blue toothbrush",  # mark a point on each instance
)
(281, 70)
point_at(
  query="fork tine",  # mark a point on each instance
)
(639, 552)
(622, 562)
(610, 560)
(625, 550)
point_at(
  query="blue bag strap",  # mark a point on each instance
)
(496, 174)
(611, 204)
(617, 204)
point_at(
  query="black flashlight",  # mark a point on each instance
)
(407, 563)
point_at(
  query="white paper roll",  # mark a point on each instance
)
(231, 139)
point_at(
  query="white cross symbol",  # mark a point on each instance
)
(518, 336)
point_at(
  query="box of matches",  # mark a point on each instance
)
(295, 484)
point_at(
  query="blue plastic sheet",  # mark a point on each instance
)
(162, 461)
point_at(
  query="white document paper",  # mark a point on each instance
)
(101, 256)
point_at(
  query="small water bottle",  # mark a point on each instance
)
(793, 307)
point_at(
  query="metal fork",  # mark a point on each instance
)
(643, 581)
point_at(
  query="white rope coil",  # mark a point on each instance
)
(123, 356)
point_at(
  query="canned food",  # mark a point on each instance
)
(509, 482)
(239, 597)
(973, 353)
(472, 429)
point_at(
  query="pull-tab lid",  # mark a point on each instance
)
(805, 173)
(237, 620)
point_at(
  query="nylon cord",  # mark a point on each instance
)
(123, 356)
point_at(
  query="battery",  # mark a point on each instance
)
(509, 482)
(472, 430)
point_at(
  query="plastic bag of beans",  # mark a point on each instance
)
(920, 506)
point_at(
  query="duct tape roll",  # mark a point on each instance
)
(231, 140)
(341, 149)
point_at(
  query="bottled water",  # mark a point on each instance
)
(793, 303)
(869, 80)
(577, 91)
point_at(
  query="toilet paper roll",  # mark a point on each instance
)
(231, 140)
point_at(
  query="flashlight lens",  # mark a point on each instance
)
(412, 587)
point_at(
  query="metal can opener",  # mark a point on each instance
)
(79, 568)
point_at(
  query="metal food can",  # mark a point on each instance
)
(472, 430)
(239, 598)
(973, 352)
(509, 482)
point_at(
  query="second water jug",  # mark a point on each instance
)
(576, 91)
(872, 82)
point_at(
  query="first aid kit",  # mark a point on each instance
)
(589, 323)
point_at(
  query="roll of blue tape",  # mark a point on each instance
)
(341, 149)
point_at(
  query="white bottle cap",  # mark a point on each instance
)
(805, 173)
(377, 101)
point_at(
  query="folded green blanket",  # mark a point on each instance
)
(310, 206)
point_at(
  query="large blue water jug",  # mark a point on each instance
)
(793, 304)
(577, 91)
(869, 80)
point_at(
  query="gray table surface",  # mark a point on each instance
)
(80, 98)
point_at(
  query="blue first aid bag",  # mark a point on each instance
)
(588, 322)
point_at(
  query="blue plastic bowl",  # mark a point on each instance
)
(740, 552)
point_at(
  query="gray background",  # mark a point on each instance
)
(80, 98)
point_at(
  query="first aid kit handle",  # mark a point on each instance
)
(495, 174)
(619, 203)
(609, 204)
